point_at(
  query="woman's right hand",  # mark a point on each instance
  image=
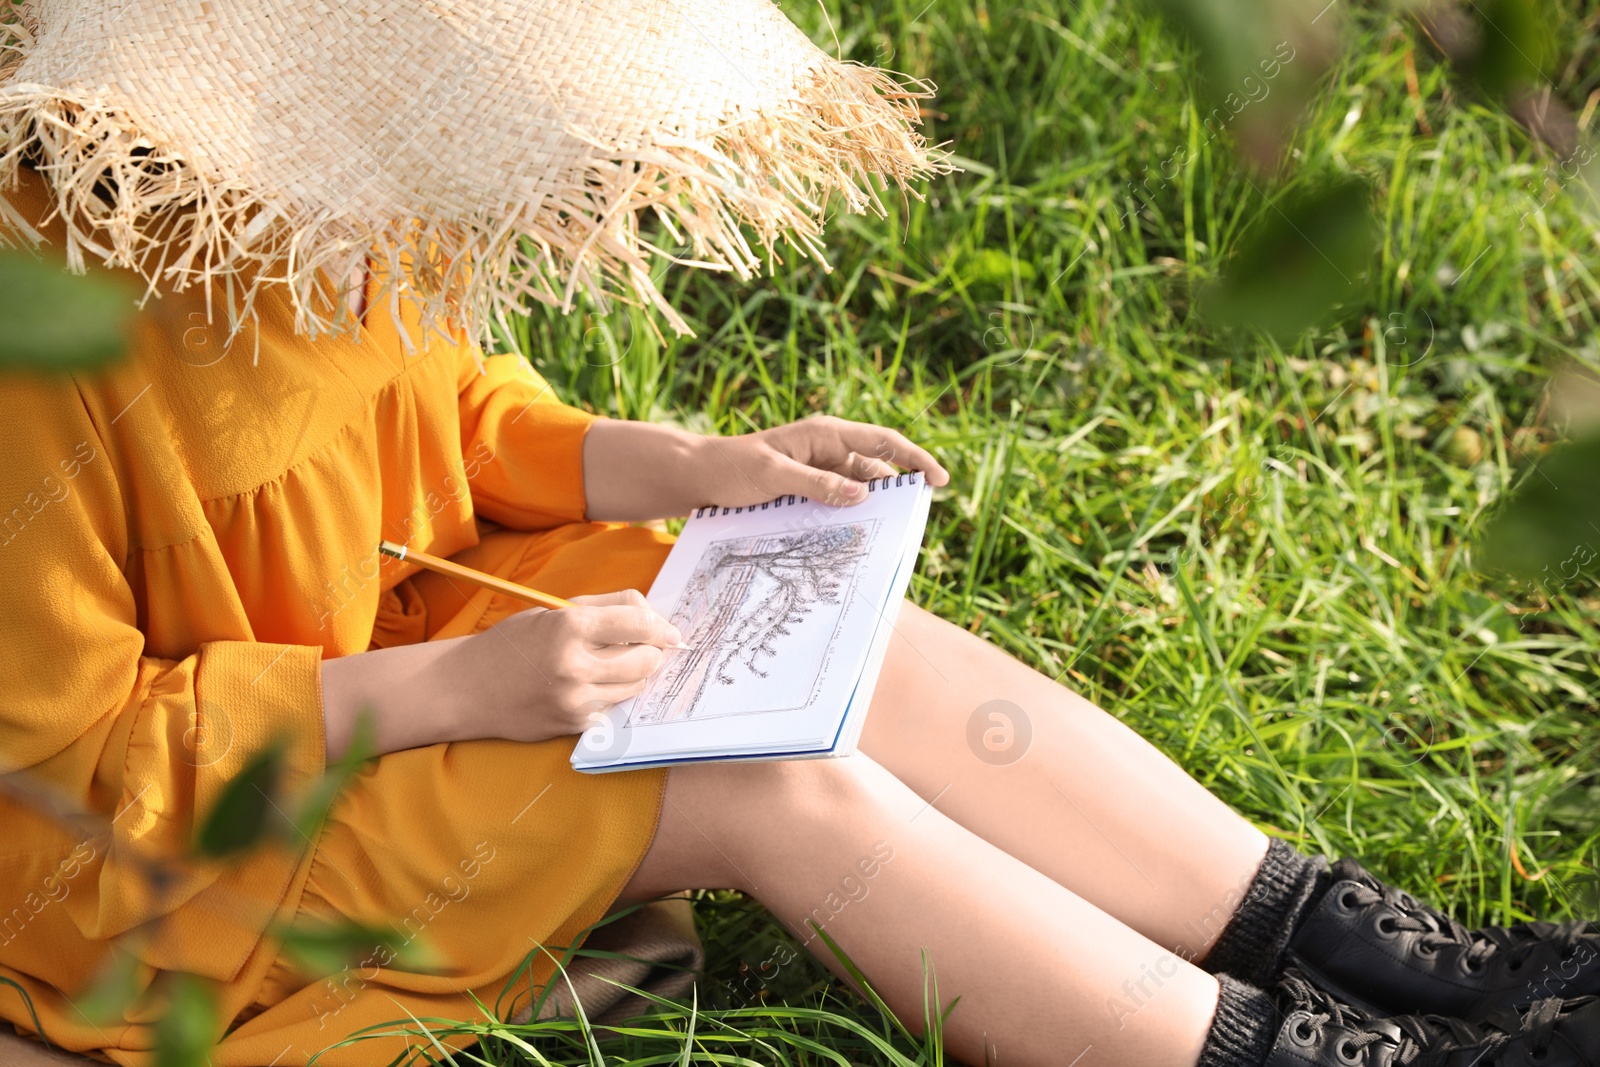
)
(543, 674)
(536, 675)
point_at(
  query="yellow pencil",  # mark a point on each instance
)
(467, 574)
(488, 581)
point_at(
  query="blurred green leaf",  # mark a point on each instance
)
(189, 1026)
(1576, 808)
(1257, 64)
(1501, 46)
(319, 800)
(1549, 531)
(53, 320)
(113, 990)
(1307, 253)
(323, 948)
(1226, 35)
(27, 1002)
(239, 818)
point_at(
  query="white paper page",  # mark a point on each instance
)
(783, 604)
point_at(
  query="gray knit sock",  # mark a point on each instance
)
(1245, 1026)
(1285, 887)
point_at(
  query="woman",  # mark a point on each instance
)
(192, 571)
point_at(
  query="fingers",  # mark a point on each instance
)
(889, 446)
(591, 703)
(828, 458)
(823, 486)
(625, 664)
(626, 598)
(563, 666)
(614, 650)
(840, 485)
(627, 624)
(616, 693)
(864, 468)
(636, 621)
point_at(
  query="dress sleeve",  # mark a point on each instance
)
(521, 446)
(94, 725)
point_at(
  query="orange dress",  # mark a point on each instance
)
(183, 539)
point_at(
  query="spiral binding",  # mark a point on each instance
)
(873, 485)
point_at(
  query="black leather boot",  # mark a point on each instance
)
(1386, 952)
(1318, 1031)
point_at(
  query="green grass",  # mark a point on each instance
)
(1261, 559)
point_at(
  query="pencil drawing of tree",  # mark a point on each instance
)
(800, 569)
(744, 598)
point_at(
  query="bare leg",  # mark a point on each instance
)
(1043, 976)
(1091, 804)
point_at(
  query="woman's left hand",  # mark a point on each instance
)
(825, 458)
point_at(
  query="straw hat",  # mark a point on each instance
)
(504, 147)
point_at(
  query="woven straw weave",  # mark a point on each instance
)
(505, 148)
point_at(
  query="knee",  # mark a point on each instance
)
(807, 789)
(739, 813)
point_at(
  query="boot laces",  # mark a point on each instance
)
(1513, 944)
(1425, 1039)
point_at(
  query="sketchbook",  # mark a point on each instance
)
(787, 608)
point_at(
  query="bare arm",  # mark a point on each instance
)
(638, 470)
(537, 675)
(407, 686)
